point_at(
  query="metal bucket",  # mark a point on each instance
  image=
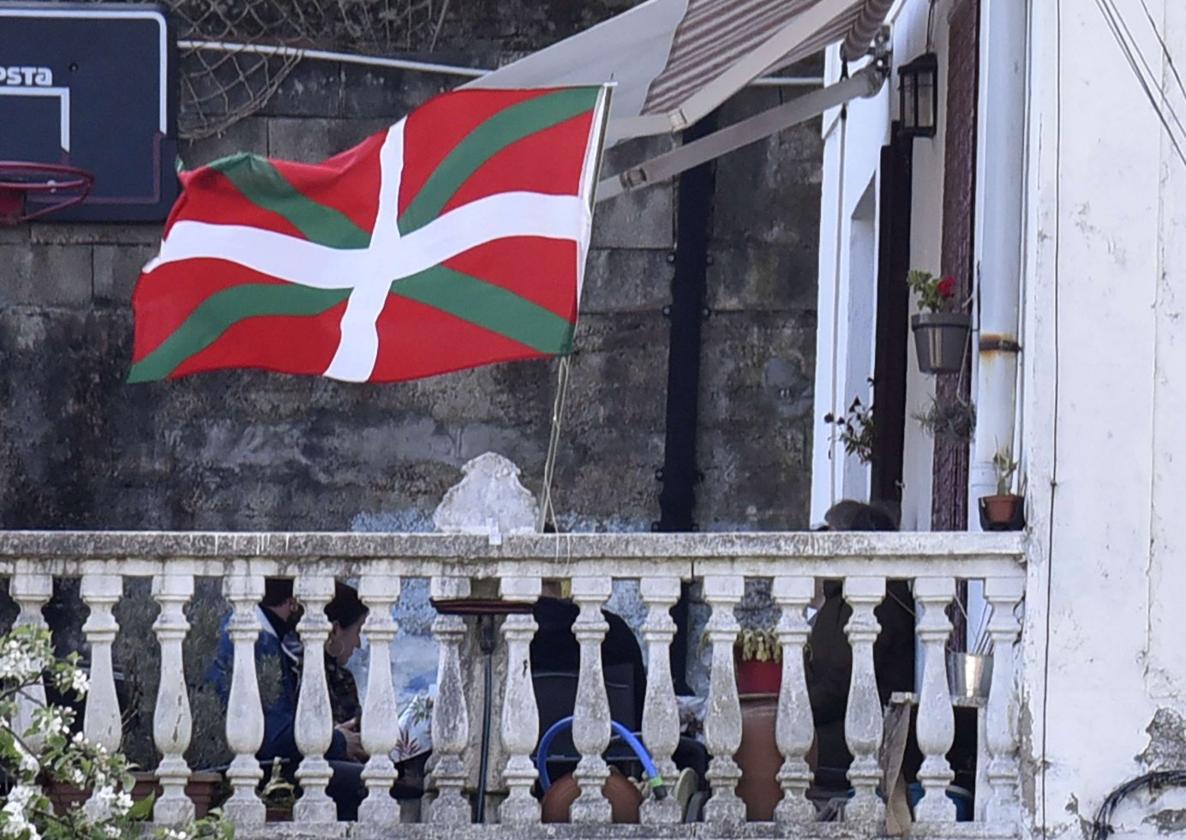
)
(941, 339)
(968, 675)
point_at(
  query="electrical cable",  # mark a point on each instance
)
(1165, 51)
(1042, 763)
(1101, 826)
(1136, 59)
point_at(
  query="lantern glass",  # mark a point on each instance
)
(925, 97)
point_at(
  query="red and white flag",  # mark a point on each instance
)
(453, 239)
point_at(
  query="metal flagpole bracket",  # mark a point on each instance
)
(864, 83)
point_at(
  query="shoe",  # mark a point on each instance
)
(686, 785)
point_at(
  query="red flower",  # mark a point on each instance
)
(946, 287)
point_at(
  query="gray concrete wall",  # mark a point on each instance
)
(246, 450)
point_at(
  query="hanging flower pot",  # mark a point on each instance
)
(1002, 513)
(941, 339)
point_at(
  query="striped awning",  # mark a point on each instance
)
(674, 61)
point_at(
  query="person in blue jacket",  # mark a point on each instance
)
(278, 659)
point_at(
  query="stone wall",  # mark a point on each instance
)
(245, 450)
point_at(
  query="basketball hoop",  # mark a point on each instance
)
(32, 190)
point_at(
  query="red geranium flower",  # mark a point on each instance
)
(946, 287)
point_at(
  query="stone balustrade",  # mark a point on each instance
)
(515, 568)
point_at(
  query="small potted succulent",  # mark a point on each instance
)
(758, 659)
(940, 329)
(1006, 510)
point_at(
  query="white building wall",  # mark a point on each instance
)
(1105, 440)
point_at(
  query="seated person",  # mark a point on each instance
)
(278, 648)
(555, 650)
(829, 656)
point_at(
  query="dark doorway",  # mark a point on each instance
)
(893, 306)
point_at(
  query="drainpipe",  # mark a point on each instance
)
(1000, 176)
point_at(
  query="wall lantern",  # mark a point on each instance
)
(918, 89)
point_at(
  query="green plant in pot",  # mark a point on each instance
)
(758, 658)
(949, 418)
(1004, 511)
(940, 327)
(857, 429)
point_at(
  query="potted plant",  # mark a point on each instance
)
(1006, 510)
(940, 330)
(758, 658)
(856, 429)
(949, 419)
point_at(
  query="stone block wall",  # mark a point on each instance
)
(79, 448)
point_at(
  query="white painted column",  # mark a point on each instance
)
(863, 718)
(450, 717)
(314, 725)
(936, 720)
(31, 590)
(591, 718)
(794, 729)
(660, 714)
(244, 714)
(1003, 594)
(172, 724)
(722, 724)
(519, 727)
(379, 589)
(101, 725)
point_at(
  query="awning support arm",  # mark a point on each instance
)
(864, 83)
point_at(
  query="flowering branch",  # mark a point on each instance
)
(48, 751)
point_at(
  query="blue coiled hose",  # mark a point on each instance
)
(545, 743)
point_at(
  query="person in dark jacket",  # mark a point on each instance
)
(829, 656)
(278, 659)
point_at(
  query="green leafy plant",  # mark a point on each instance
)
(935, 294)
(39, 748)
(279, 793)
(857, 431)
(1004, 466)
(951, 419)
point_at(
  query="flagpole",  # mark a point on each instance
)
(545, 508)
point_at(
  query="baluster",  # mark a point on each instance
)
(380, 718)
(314, 726)
(660, 714)
(863, 719)
(244, 713)
(722, 725)
(936, 720)
(172, 725)
(591, 722)
(1003, 594)
(101, 724)
(450, 717)
(31, 590)
(519, 727)
(794, 729)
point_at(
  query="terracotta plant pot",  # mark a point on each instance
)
(624, 798)
(202, 789)
(758, 757)
(941, 339)
(1002, 513)
(756, 677)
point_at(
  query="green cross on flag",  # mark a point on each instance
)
(455, 238)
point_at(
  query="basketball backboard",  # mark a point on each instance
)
(91, 85)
